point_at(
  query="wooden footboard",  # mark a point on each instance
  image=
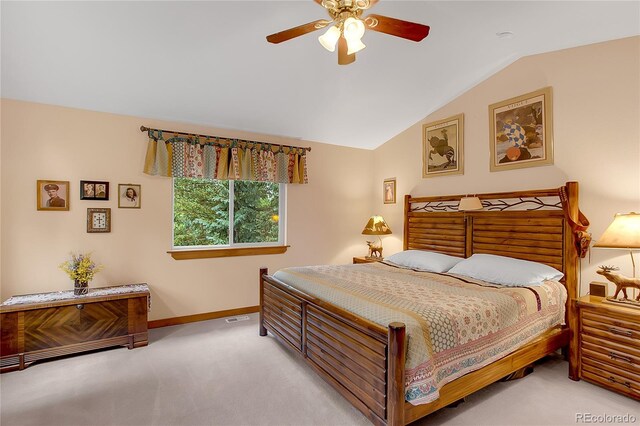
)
(364, 361)
(360, 359)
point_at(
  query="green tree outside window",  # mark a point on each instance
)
(201, 214)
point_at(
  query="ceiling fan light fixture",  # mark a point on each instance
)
(353, 28)
(354, 45)
(345, 29)
(329, 39)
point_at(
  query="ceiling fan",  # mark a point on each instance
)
(349, 26)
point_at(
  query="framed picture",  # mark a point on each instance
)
(521, 131)
(442, 147)
(389, 191)
(98, 220)
(52, 195)
(129, 195)
(94, 190)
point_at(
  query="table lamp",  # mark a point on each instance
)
(469, 203)
(376, 226)
(623, 233)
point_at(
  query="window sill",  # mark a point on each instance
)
(225, 252)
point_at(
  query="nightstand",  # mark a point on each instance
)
(609, 345)
(362, 259)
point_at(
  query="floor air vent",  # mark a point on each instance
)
(237, 319)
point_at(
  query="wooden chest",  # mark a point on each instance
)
(609, 352)
(61, 323)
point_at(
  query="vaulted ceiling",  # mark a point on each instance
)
(208, 63)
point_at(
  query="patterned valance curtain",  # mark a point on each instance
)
(223, 159)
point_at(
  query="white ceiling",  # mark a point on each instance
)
(209, 63)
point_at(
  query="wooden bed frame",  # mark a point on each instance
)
(365, 362)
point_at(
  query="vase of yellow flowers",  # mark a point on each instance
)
(81, 270)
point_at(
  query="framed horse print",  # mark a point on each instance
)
(442, 147)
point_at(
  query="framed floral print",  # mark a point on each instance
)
(521, 132)
(442, 147)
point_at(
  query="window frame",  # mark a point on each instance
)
(233, 249)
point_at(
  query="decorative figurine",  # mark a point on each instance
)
(621, 282)
(375, 249)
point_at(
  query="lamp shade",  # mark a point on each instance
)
(329, 39)
(623, 233)
(353, 28)
(470, 203)
(354, 45)
(376, 226)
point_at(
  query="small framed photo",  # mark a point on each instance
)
(521, 131)
(94, 190)
(129, 195)
(52, 195)
(442, 147)
(99, 220)
(389, 191)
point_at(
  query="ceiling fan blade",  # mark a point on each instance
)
(297, 31)
(397, 27)
(343, 57)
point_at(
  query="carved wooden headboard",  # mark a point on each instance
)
(529, 225)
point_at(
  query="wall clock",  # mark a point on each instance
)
(98, 220)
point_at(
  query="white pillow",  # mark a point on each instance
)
(506, 270)
(424, 261)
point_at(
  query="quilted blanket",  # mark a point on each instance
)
(455, 325)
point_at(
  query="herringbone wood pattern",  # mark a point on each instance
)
(47, 328)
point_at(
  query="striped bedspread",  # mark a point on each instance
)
(454, 325)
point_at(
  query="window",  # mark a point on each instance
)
(227, 214)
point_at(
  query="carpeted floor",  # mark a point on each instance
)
(215, 373)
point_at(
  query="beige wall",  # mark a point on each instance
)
(596, 101)
(48, 142)
(596, 113)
